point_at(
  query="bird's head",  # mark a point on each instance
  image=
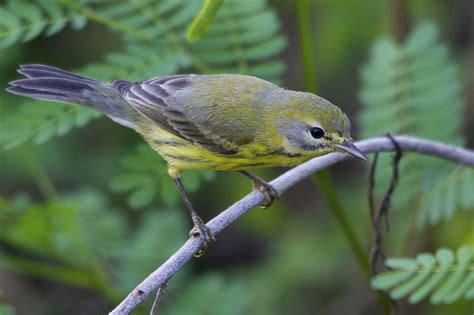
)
(311, 126)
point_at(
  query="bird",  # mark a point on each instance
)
(223, 122)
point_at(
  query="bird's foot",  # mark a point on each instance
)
(202, 231)
(269, 192)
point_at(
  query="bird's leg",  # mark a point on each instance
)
(200, 229)
(268, 191)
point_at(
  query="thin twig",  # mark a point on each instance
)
(382, 213)
(384, 207)
(371, 187)
(156, 303)
(281, 184)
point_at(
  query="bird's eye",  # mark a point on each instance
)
(316, 132)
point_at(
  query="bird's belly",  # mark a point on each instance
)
(216, 162)
(193, 157)
(184, 155)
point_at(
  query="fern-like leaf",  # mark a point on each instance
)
(40, 121)
(199, 297)
(136, 63)
(240, 40)
(71, 231)
(447, 195)
(147, 21)
(412, 88)
(24, 21)
(446, 276)
(145, 175)
(78, 236)
(158, 236)
(99, 227)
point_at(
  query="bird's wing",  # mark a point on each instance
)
(153, 99)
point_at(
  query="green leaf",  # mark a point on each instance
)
(199, 297)
(20, 20)
(401, 263)
(76, 230)
(42, 121)
(145, 174)
(401, 84)
(240, 38)
(442, 294)
(390, 278)
(447, 196)
(445, 259)
(445, 277)
(158, 236)
(143, 195)
(10, 28)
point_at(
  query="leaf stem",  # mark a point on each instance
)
(303, 10)
(66, 274)
(325, 182)
(115, 25)
(203, 20)
(323, 178)
(41, 177)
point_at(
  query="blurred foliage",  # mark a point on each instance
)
(445, 276)
(4, 308)
(75, 233)
(23, 21)
(79, 239)
(405, 92)
(447, 196)
(233, 297)
(146, 175)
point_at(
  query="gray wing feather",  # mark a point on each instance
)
(153, 99)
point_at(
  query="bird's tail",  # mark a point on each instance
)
(48, 83)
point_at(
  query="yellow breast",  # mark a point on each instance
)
(184, 155)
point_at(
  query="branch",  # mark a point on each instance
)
(282, 184)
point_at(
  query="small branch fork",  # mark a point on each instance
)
(159, 294)
(287, 180)
(376, 252)
(382, 213)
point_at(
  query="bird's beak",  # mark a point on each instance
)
(349, 147)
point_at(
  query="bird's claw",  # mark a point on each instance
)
(202, 231)
(269, 192)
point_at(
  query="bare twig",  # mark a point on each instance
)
(281, 184)
(156, 303)
(382, 213)
(376, 252)
(371, 187)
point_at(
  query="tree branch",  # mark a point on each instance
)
(281, 184)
